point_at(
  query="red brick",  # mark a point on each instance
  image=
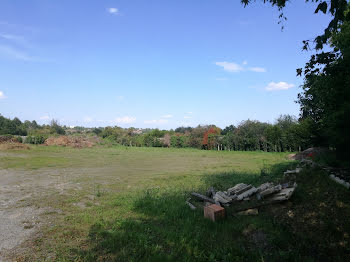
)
(214, 212)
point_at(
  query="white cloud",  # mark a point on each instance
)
(167, 116)
(235, 68)
(188, 115)
(2, 95)
(17, 27)
(13, 53)
(45, 117)
(257, 69)
(230, 67)
(125, 120)
(88, 119)
(11, 37)
(156, 121)
(278, 86)
(113, 10)
(17, 39)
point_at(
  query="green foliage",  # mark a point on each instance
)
(287, 134)
(16, 127)
(325, 100)
(337, 9)
(228, 129)
(12, 127)
(178, 141)
(183, 130)
(56, 128)
(274, 137)
(19, 139)
(97, 131)
(36, 139)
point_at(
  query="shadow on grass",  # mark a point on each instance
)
(163, 228)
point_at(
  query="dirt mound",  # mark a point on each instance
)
(72, 141)
(8, 139)
(11, 143)
(13, 146)
(310, 153)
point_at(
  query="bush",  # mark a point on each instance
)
(35, 139)
(18, 139)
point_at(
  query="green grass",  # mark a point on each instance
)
(134, 207)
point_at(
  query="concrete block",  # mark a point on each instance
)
(214, 212)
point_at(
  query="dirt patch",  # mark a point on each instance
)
(21, 215)
(72, 141)
(17, 224)
(13, 146)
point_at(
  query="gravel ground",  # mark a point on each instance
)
(21, 216)
(18, 222)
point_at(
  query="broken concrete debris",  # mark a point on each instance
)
(295, 171)
(211, 192)
(222, 197)
(272, 189)
(264, 187)
(267, 193)
(338, 175)
(249, 212)
(203, 198)
(283, 194)
(247, 193)
(340, 181)
(193, 207)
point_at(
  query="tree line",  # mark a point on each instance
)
(286, 134)
(19, 128)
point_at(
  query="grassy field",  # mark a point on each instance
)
(128, 204)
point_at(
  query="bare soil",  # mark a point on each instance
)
(21, 211)
(72, 141)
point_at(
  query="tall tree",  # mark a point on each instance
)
(326, 93)
(325, 98)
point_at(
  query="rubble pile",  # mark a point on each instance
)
(338, 175)
(72, 141)
(12, 143)
(215, 202)
(266, 193)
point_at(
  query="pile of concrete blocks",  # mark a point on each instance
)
(216, 201)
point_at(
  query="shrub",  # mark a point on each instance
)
(35, 139)
(18, 139)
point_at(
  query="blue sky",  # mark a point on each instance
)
(151, 63)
